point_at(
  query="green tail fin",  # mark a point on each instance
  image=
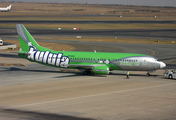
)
(26, 40)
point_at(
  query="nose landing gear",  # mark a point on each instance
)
(87, 72)
(148, 74)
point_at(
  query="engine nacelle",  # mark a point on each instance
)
(101, 70)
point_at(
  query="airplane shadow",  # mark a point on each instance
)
(72, 75)
(45, 71)
(51, 71)
(33, 115)
(153, 74)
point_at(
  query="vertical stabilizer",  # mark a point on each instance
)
(26, 40)
(9, 7)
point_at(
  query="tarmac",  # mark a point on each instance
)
(155, 34)
(83, 22)
(40, 92)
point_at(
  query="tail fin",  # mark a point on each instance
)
(26, 40)
(9, 7)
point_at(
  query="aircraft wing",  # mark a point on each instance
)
(82, 66)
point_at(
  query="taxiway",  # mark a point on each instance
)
(156, 34)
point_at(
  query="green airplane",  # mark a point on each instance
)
(92, 62)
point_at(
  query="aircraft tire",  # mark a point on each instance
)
(148, 74)
(170, 76)
(85, 73)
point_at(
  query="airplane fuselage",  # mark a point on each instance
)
(114, 61)
(7, 9)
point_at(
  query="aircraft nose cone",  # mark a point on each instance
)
(162, 65)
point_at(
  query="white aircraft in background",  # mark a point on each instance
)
(7, 9)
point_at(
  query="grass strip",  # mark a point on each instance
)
(79, 18)
(95, 26)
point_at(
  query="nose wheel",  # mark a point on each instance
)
(148, 74)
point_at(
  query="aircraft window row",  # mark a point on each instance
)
(80, 58)
(89, 59)
(51, 57)
(101, 59)
(74, 58)
(126, 60)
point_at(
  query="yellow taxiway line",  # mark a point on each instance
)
(13, 64)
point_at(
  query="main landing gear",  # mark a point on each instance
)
(87, 72)
(148, 74)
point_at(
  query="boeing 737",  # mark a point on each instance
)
(92, 62)
(7, 9)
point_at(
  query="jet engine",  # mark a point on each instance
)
(101, 70)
